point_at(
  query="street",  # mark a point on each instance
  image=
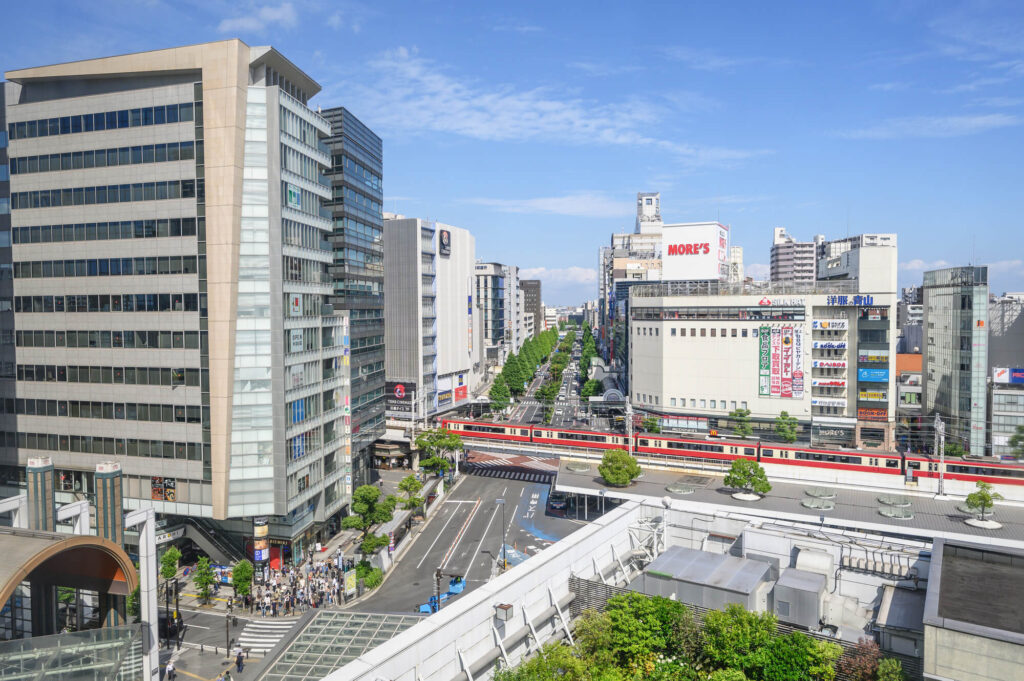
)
(464, 536)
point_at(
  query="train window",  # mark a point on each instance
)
(749, 451)
(644, 443)
(767, 452)
(916, 465)
(933, 466)
(524, 432)
(892, 463)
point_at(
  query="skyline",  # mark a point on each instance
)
(536, 137)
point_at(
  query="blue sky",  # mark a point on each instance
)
(535, 124)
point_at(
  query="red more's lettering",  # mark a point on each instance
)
(689, 249)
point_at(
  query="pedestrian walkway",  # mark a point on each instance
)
(478, 459)
(261, 635)
(509, 473)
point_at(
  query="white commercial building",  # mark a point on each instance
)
(433, 335)
(791, 260)
(823, 352)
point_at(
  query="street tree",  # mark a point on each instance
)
(785, 427)
(954, 448)
(734, 636)
(410, 486)
(651, 424)
(368, 510)
(169, 562)
(590, 388)
(204, 578)
(499, 395)
(439, 442)
(435, 464)
(1017, 442)
(241, 577)
(982, 498)
(891, 669)
(742, 419)
(748, 476)
(618, 468)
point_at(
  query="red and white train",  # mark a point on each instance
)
(889, 463)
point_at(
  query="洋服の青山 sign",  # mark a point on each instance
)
(689, 249)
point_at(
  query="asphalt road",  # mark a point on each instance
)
(465, 536)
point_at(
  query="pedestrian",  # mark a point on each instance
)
(169, 671)
(239, 662)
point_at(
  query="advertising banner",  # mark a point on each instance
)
(873, 375)
(798, 363)
(864, 414)
(787, 361)
(776, 362)
(163, 489)
(351, 582)
(261, 539)
(830, 324)
(828, 383)
(295, 340)
(398, 396)
(693, 251)
(444, 242)
(295, 304)
(873, 395)
(828, 363)
(461, 393)
(873, 355)
(764, 361)
(828, 401)
(1006, 375)
(294, 197)
(829, 345)
(444, 398)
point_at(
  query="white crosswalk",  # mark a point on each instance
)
(261, 635)
(509, 473)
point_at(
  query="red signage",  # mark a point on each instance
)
(400, 391)
(461, 393)
(689, 249)
(864, 414)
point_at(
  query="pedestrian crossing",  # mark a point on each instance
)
(499, 469)
(261, 635)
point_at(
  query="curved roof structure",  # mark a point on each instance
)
(80, 561)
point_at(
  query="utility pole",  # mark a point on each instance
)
(629, 426)
(940, 442)
(504, 559)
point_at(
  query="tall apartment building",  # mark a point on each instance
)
(648, 213)
(432, 339)
(171, 284)
(500, 299)
(956, 353)
(791, 260)
(532, 302)
(354, 208)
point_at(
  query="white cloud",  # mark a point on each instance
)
(560, 275)
(973, 85)
(334, 21)
(601, 70)
(888, 87)
(998, 102)
(413, 94)
(933, 126)
(918, 265)
(1006, 267)
(518, 28)
(579, 204)
(757, 271)
(283, 15)
(702, 60)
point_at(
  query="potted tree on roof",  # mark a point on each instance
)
(749, 478)
(981, 501)
(618, 468)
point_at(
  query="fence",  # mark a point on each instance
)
(592, 595)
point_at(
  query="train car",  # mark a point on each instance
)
(509, 432)
(551, 435)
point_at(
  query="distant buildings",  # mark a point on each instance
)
(792, 260)
(499, 296)
(532, 304)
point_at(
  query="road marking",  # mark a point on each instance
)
(482, 537)
(194, 676)
(197, 626)
(460, 501)
(503, 491)
(462, 533)
(427, 552)
(521, 492)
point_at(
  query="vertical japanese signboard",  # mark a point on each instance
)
(787, 362)
(764, 361)
(798, 363)
(776, 362)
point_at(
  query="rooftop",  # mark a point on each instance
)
(749, 288)
(709, 569)
(981, 586)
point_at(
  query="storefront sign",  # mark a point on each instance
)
(444, 242)
(830, 325)
(764, 361)
(787, 361)
(444, 398)
(781, 302)
(461, 393)
(828, 363)
(693, 424)
(398, 397)
(1001, 375)
(261, 539)
(164, 537)
(872, 396)
(849, 300)
(163, 489)
(873, 375)
(294, 195)
(829, 345)
(798, 363)
(776, 362)
(879, 356)
(828, 401)
(828, 383)
(864, 414)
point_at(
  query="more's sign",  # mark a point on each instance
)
(694, 251)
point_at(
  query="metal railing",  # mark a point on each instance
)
(720, 288)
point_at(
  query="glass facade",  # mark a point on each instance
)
(358, 271)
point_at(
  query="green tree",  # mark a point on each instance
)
(742, 420)
(748, 476)
(553, 662)
(618, 468)
(890, 669)
(500, 395)
(169, 562)
(861, 663)
(594, 638)
(982, 498)
(727, 675)
(439, 442)
(369, 509)
(1017, 442)
(549, 413)
(132, 603)
(409, 486)
(651, 424)
(954, 448)
(204, 578)
(241, 577)
(514, 374)
(591, 388)
(733, 636)
(435, 464)
(785, 427)
(794, 657)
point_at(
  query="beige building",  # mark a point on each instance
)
(171, 283)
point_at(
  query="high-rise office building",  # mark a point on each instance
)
(532, 302)
(500, 299)
(433, 348)
(9, 472)
(791, 260)
(355, 176)
(956, 353)
(171, 284)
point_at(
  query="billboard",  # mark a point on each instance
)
(444, 242)
(261, 539)
(776, 375)
(787, 361)
(694, 251)
(866, 414)
(398, 397)
(461, 393)
(873, 375)
(1005, 375)
(873, 356)
(163, 489)
(830, 324)
(294, 196)
(798, 363)
(764, 361)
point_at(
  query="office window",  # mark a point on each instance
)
(744, 333)
(703, 332)
(672, 401)
(744, 404)
(733, 404)
(673, 331)
(693, 332)
(713, 405)
(703, 404)
(733, 334)
(712, 332)
(693, 403)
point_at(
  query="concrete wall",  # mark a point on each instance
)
(955, 655)
(402, 334)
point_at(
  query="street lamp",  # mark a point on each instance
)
(504, 559)
(940, 433)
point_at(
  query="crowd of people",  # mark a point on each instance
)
(293, 590)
